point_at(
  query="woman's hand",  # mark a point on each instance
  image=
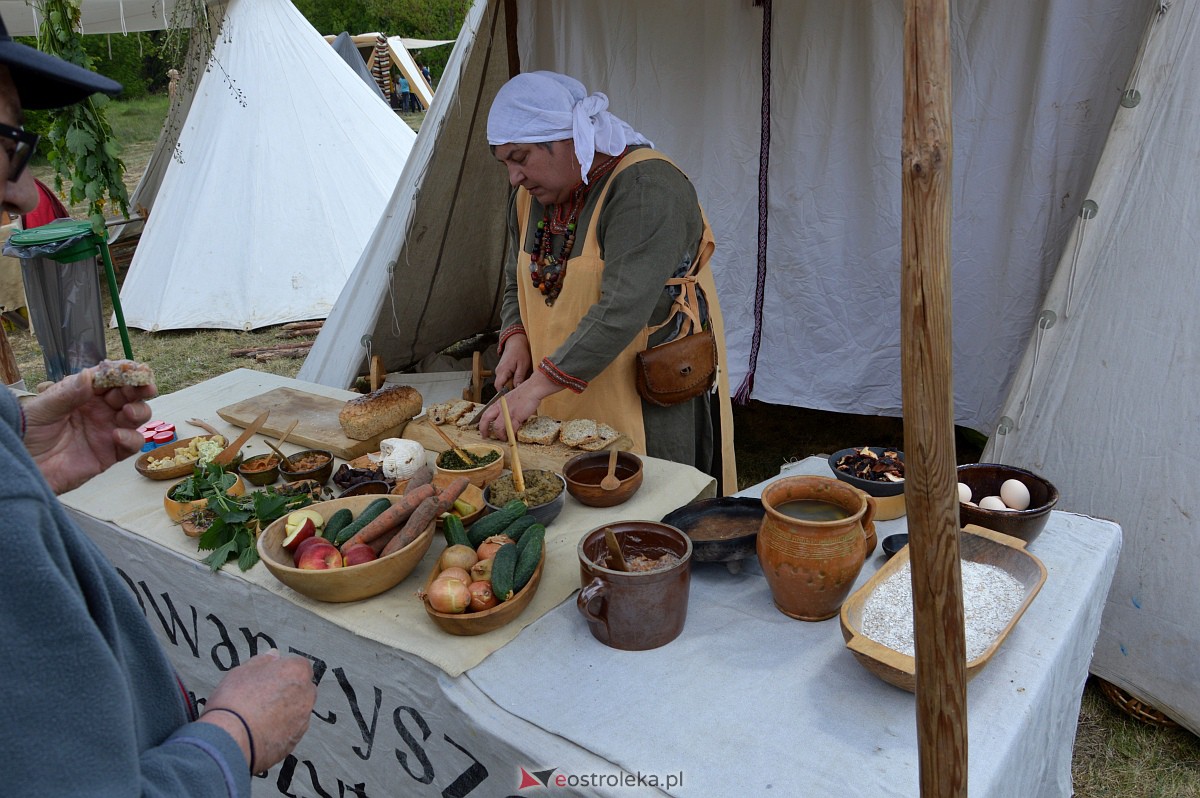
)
(275, 694)
(515, 362)
(74, 432)
(522, 403)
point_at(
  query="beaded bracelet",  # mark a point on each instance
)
(245, 726)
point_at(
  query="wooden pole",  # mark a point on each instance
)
(926, 369)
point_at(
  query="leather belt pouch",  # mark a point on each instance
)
(678, 370)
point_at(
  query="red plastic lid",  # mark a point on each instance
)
(163, 437)
(148, 434)
(165, 427)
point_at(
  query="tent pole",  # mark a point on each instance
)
(510, 36)
(928, 398)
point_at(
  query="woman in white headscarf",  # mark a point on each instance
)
(598, 223)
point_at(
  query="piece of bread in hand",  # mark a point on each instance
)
(539, 429)
(380, 411)
(607, 436)
(121, 373)
(579, 431)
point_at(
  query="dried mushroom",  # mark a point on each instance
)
(865, 463)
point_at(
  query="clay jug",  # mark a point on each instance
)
(811, 565)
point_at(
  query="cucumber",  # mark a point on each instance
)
(504, 566)
(517, 528)
(336, 522)
(452, 528)
(493, 523)
(529, 554)
(365, 517)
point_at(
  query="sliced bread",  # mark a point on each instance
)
(437, 413)
(458, 409)
(539, 429)
(471, 418)
(580, 431)
(607, 436)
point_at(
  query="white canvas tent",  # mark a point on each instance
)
(1036, 91)
(281, 172)
(22, 17)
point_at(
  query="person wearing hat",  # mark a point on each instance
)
(90, 705)
(599, 223)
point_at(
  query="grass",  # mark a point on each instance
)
(1115, 756)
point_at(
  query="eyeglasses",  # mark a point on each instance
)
(24, 144)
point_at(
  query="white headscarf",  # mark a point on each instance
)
(537, 107)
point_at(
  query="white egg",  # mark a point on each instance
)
(964, 493)
(1015, 494)
(992, 503)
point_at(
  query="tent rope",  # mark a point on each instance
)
(742, 396)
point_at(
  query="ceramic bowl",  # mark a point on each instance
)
(889, 496)
(724, 529)
(260, 470)
(583, 473)
(477, 623)
(372, 487)
(481, 475)
(176, 510)
(352, 583)
(544, 513)
(320, 473)
(892, 544)
(985, 479)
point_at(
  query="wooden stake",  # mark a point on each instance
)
(10, 372)
(926, 369)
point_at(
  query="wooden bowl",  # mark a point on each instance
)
(352, 583)
(472, 495)
(142, 463)
(372, 487)
(975, 544)
(985, 479)
(176, 510)
(481, 475)
(477, 623)
(583, 473)
(321, 473)
(260, 476)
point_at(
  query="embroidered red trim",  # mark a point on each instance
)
(559, 377)
(509, 333)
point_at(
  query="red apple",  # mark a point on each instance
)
(303, 531)
(358, 554)
(308, 543)
(297, 518)
(319, 558)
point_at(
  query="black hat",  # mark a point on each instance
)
(46, 81)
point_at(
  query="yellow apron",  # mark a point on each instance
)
(612, 395)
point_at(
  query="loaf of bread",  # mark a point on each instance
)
(380, 411)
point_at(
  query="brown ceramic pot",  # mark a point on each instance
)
(629, 610)
(811, 566)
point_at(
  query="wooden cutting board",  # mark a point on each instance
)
(316, 416)
(551, 457)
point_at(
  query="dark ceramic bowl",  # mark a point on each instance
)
(985, 479)
(724, 529)
(321, 473)
(583, 474)
(544, 513)
(892, 544)
(250, 471)
(871, 487)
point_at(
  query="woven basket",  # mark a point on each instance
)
(1134, 707)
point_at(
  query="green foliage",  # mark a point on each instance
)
(79, 140)
(238, 522)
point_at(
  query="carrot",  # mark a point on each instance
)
(424, 515)
(390, 518)
(423, 476)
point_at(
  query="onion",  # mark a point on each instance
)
(459, 555)
(488, 548)
(481, 596)
(449, 595)
(482, 571)
(454, 572)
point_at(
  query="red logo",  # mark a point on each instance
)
(538, 778)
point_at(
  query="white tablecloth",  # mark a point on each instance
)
(750, 702)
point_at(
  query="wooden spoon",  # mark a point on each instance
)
(225, 457)
(204, 425)
(467, 457)
(610, 481)
(518, 474)
(616, 558)
(286, 433)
